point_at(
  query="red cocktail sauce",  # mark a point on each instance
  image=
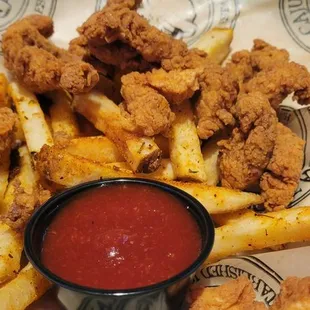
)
(121, 237)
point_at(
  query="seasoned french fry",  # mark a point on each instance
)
(218, 200)
(142, 153)
(4, 175)
(4, 98)
(231, 217)
(11, 247)
(63, 121)
(216, 43)
(65, 169)
(98, 148)
(21, 192)
(164, 172)
(259, 231)
(184, 144)
(32, 118)
(210, 153)
(27, 287)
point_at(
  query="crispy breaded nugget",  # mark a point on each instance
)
(38, 63)
(147, 96)
(265, 56)
(218, 94)
(247, 153)
(148, 109)
(294, 295)
(280, 183)
(115, 23)
(280, 81)
(234, 295)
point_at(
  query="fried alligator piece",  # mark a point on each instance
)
(147, 108)
(218, 94)
(247, 153)
(41, 65)
(284, 168)
(234, 295)
(294, 295)
(280, 81)
(147, 96)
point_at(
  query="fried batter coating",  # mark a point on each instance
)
(265, 56)
(22, 208)
(234, 295)
(131, 4)
(115, 23)
(280, 183)
(7, 123)
(175, 85)
(147, 97)
(38, 63)
(148, 109)
(240, 67)
(280, 81)
(218, 94)
(247, 153)
(294, 295)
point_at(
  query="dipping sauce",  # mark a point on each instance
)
(121, 236)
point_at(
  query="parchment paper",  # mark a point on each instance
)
(284, 23)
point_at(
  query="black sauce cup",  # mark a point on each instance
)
(166, 295)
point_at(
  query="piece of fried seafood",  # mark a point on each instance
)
(280, 181)
(147, 97)
(234, 295)
(245, 155)
(294, 295)
(261, 150)
(41, 65)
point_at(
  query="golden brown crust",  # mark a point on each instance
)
(37, 62)
(246, 154)
(234, 295)
(294, 295)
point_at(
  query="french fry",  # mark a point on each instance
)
(67, 170)
(231, 217)
(184, 144)
(218, 200)
(32, 118)
(63, 121)
(22, 192)
(164, 172)
(210, 153)
(142, 153)
(216, 43)
(98, 148)
(4, 98)
(259, 231)
(11, 247)
(27, 287)
(4, 174)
